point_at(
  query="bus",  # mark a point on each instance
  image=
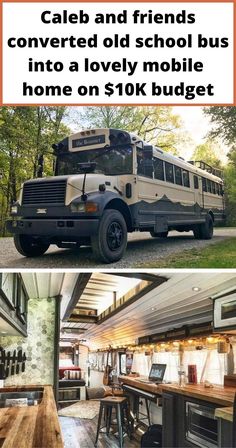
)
(108, 182)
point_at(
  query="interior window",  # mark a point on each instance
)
(186, 178)
(169, 172)
(123, 363)
(196, 183)
(158, 169)
(178, 175)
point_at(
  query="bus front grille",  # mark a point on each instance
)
(44, 193)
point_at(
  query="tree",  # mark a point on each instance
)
(209, 152)
(224, 121)
(26, 135)
(155, 124)
(230, 186)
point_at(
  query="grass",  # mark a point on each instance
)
(220, 255)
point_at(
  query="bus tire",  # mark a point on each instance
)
(197, 232)
(110, 243)
(204, 231)
(29, 247)
(159, 235)
(207, 228)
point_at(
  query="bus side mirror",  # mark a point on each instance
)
(148, 152)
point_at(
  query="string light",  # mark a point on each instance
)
(197, 343)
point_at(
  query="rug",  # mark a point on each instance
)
(82, 409)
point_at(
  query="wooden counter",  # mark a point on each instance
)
(224, 396)
(134, 382)
(31, 426)
(225, 413)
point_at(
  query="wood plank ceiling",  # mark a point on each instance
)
(170, 305)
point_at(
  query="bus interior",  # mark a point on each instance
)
(109, 359)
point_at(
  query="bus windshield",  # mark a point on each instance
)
(110, 161)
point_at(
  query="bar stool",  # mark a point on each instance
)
(121, 407)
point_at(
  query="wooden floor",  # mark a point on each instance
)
(81, 433)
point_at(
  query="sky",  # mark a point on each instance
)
(198, 126)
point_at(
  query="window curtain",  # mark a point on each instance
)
(171, 359)
(211, 365)
(141, 364)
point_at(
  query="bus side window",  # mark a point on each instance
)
(196, 183)
(217, 189)
(221, 190)
(178, 175)
(169, 172)
(204, 187)
(145, 166)
(213, 188)
(186, 178)
(209, 189)
(158, 169)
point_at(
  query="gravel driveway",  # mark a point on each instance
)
(141, 247)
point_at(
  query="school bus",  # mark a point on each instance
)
(109, 182)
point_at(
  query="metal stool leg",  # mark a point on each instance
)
(99, 423)
(128, 421)
(148, 413)
(119, 423)
(108, 421)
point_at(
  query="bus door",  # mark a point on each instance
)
(146, 191)
(198, 192)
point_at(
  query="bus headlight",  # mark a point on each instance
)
(14, 210)
(84, 207)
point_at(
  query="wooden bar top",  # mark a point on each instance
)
(223, 396)
(225, 413)
(31, 426)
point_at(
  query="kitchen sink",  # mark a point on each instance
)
(23, 398)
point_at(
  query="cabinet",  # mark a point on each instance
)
(13, 302)
(69, 395)
(169, 419)
(190, 422)
(225, 433)
(69, 391)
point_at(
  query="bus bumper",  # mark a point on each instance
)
(58, 228)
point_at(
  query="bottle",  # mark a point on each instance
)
(182, 377)
(192, 374)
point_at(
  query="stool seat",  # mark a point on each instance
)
(121, 407)
(113, 400)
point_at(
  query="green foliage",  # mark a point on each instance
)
(221, 255)
(26, 134)
(208, 152)
(155, 124)
(224, 121)
(230, 187)
(224, 127)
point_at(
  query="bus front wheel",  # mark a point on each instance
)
(30, 247)
(110, 243)
(204, 231)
